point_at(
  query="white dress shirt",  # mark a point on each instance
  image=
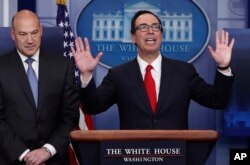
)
(155, 72)
(35, 65)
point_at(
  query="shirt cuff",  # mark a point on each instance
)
(85, 83)
(23, 155)
(51, 148)
(226, 72)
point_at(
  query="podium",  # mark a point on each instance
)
(166, 147)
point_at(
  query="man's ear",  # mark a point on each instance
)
(41, 28)
(12, 34)
(133, 39)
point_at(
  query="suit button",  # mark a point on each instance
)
(154, 120)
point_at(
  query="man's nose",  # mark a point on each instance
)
(150, 29)
(29, 38)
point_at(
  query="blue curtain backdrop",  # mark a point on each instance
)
(248, 4)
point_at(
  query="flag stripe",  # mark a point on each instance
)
(72, 156)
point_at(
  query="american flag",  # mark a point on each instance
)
(63, 21)
(85, 121)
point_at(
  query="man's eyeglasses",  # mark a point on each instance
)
(145, 27)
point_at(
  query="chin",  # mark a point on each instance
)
(29, 53)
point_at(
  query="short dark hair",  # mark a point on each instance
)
(137, 14)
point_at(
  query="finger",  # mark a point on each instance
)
(86, 42)
(226, 38)
(30, 162)
(77, 44)
(80, 44)
(98, 57)
(222, 37)
(25, 159)
(38, 162)
(232, 44)
(217, 38)
(73, 50)
(211, 51)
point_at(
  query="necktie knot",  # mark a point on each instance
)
(29, 60)
(148, 68)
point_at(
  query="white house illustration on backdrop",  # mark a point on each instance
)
(116, 26)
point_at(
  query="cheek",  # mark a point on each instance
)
(38, 41)
(159, 38)
(19, 43)
(140, 38)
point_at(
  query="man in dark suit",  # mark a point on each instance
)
(175, 82)
(35, 131)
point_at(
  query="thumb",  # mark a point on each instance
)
(98, 57)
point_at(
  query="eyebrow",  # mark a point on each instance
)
(148, 24)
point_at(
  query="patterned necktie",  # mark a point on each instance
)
(32, 79)
(150, 87)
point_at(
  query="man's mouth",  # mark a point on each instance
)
(150, 40)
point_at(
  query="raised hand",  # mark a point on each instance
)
(223, 52)
(85, 62)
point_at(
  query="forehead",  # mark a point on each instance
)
(27, 27)
(25, 21)
(146, 18)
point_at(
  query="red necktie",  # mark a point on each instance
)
(150, 87)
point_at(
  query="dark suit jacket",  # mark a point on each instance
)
(21, 125)
(180, 83)
(123, 85)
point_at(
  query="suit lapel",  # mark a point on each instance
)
(21, 77)
(135, 77)
(43, 80)
(165, 84)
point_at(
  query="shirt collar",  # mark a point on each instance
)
(156, 64)
(35, 56)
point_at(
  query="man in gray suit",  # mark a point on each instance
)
(35, 124)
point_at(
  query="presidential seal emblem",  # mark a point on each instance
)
(106, 23)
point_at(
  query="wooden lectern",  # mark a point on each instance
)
(170, 147)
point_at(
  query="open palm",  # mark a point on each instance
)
(223, 52)
(85, 62)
